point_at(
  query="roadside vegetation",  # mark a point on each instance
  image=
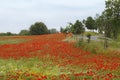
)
(96, 43)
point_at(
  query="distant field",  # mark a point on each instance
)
(11, 41)
(49, 57)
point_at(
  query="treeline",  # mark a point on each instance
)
(108, 23)
(38, 28)
(8, 34)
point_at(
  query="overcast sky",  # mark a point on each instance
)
(16, 15)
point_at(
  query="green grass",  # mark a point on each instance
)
(97, 47)
(92, 33)
(11, 41)
(35, 65)
(94, 47)
(44, 66)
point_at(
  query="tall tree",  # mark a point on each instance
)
(66, 30)
(38, 28)
(24, 32)
(53, 31)
(77, 28)
(112, 12)
(90, 23)
(99, 23)
(61, 29)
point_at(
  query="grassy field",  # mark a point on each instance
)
(49, 57)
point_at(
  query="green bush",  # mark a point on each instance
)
(38, 28)
(24, 32)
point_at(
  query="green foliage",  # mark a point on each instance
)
(115, 44)
(8, 34)
(61, 29)
(80, 44)
(109, 21)
(89, 37)
(99, 21)
(92, 33)
(97, 47)
(24, 32)
(77, 28)
(38, 28)
(93, 47)
(90, 23)
(53, 31)
(65, 30)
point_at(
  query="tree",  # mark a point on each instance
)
(77, 28)
(53, 31)
(89, 37)
(65, 30)
(99, 22)
(9, 34)
(38, 28)
(102, 22)
(112, 12)
(90, 23)
(24, 32)
(61, 29)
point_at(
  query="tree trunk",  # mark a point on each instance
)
(106, 35)
(105, 43)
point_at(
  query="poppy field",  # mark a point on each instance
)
(48, 57)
